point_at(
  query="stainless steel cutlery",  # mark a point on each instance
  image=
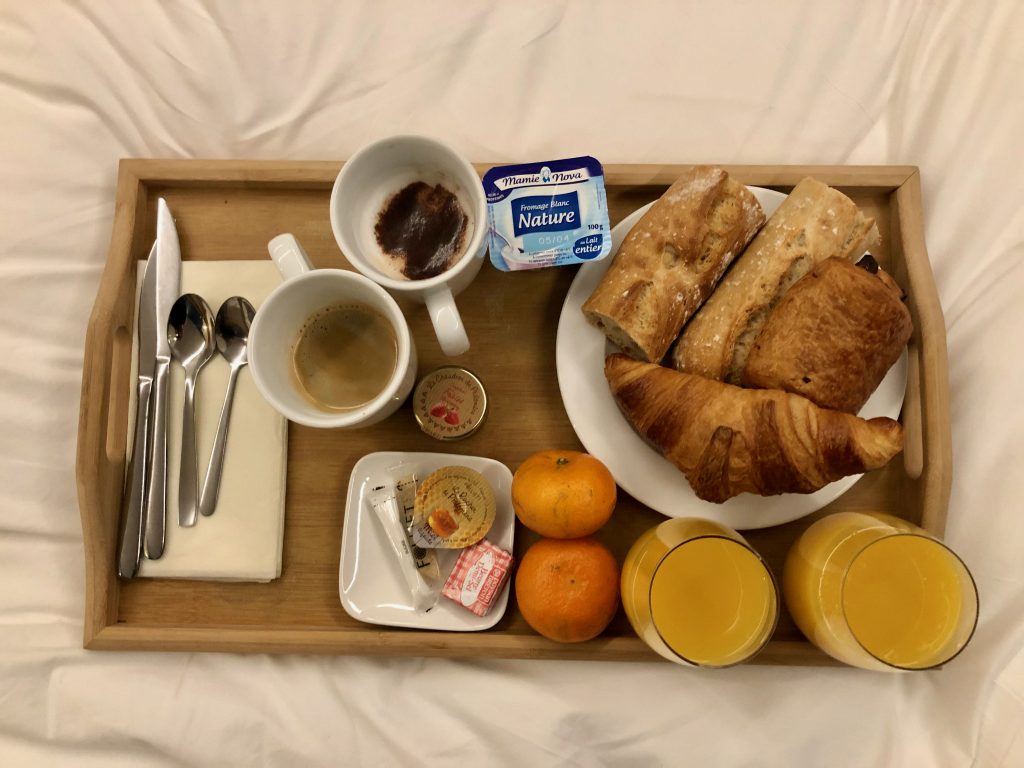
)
(169, 323)
(190, 332)
(233, 321)
(168, 286)
(134, 502)
(144, 498)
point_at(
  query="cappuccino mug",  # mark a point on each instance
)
(329, 347)
(400, 167)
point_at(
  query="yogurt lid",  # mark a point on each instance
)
(547, 213)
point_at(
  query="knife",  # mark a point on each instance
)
(168, 286)
(135, 486)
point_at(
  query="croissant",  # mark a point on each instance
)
(728, 440)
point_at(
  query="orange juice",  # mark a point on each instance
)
(697, 594)
(877, 592)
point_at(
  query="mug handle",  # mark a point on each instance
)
(288, 255)
(451, 333)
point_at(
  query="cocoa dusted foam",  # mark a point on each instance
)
(423, 227)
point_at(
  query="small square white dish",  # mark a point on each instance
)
(370, 582)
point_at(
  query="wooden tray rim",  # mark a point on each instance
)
(929, 454)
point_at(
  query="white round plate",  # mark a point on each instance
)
(641, 471)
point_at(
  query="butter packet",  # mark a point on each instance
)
(478, 577)
(547, 214)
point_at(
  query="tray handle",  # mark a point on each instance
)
(913, 418)
(103, 408)
(102, 447)
(929, 452)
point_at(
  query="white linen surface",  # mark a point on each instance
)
(936, 84)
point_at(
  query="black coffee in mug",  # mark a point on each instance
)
(344, 356)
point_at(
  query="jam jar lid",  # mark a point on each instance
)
(450, 403)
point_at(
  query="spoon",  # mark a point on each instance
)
(190, 334)
(233, 320)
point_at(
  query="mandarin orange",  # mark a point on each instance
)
(563, 494)
(568, 589)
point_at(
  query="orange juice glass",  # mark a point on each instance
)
(698, 594)
(877, 592)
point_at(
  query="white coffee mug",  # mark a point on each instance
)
(279, 320)
(362, 189)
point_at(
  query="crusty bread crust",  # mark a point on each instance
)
(812, 224)
(671, 261)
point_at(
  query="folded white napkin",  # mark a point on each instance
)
(242, 539)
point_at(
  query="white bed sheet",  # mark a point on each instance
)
(82, 84)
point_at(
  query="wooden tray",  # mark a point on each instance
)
(229, 210)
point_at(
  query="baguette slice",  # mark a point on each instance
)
(671, 261)
(832, 337)
(728, 440)
(812, 224)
